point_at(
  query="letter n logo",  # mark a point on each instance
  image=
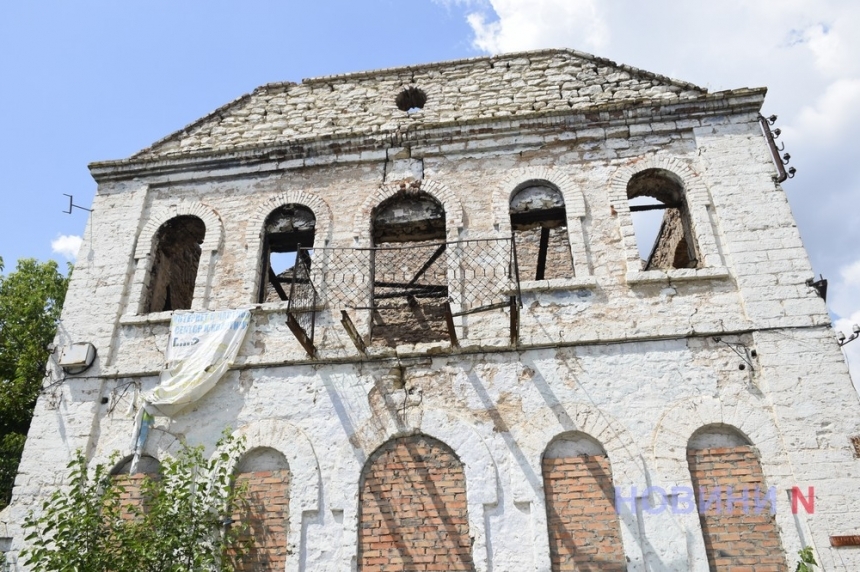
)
(808, 501)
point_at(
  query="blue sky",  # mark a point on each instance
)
(94, 80)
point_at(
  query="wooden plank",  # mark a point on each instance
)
(515, 322)
(276, 283)
(452, 331)
(541, 261)
(353, 332)
(301, 336)
(428, 264)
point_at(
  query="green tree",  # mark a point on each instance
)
(807, 560)
(79, 526)
(179, 526)
(31, 299)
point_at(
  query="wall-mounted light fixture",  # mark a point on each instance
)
(77, 358)
(842, 339)
(771, 137)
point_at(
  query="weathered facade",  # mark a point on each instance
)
(458, 359)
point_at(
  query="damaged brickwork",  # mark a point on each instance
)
(581, 514)
(472, 368)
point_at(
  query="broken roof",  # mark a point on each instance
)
(544, 81)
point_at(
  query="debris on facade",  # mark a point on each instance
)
(457, 358)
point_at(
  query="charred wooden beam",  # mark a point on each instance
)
(452, 330)
(301, 336)
(353, 332)
(541, 261)
(276, 284)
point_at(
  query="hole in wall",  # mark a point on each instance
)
(410, 100)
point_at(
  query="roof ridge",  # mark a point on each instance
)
(419, 67)
(506, 55)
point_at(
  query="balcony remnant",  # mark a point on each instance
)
(404, 293)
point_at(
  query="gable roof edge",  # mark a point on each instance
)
(433, 65)
(496, 57)
(178, 133)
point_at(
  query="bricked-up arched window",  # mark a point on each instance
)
(266, 475)
(147, 468)
(412, 514)
(727, 479)
(287, 228)
(410, 269)
(661, 220)
(174, 266)
(584, 532)
(539, 226)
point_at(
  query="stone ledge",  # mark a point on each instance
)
(151, 318)
(677, 275)
(588, 282)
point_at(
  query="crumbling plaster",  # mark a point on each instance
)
(626, 357)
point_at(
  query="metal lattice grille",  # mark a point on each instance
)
(413, 271)
(465, 276)
(302, 305)
(470, 273)
(485, 277)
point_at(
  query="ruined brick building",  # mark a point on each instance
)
(463, 353)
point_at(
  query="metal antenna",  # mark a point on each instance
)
(72, 205)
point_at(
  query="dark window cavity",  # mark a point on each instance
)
(174, 268)
(410, 286)
(289, 235)
(661, 220)
(539, 225)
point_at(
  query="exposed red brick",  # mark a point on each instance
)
(413, 514)
(266, 514)
(132, 495)
(584, 533)
(739, 539)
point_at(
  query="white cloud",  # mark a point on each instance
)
(851, 349)
(850, 274)
(845, 292)
(537, 24)
(67, 245)
(834, 117)
(804, 51)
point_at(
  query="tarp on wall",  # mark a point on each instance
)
(201, 348)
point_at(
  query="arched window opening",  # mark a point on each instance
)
(412, 509)
(661, 221)
(409, 216)
(410, 287)
(147, 465)
(539, 226)
(174, 267)
(733, 500)
(266, 475)
(289, 236)
(132, 484)
(584, 532)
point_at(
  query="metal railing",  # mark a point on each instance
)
(466, 276)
